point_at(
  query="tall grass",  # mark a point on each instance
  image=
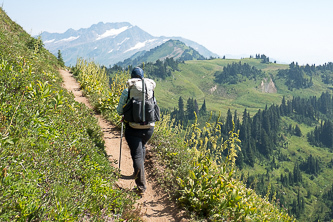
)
(52, 161)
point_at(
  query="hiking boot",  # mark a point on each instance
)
(138, 191)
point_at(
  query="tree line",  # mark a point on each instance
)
(299, 77)
(184, 114)
(295, 77)
(322, 135)
(260, 134)
(159, 69)
(237, 72)
(263, 57)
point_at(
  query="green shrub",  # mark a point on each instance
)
(52, 160)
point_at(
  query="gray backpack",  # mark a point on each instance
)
(135, 111)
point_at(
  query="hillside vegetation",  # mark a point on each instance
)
(52, 161)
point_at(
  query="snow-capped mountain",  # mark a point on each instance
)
(107, 43)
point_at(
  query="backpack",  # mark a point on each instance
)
(141, 91)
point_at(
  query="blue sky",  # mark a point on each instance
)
(284, 30)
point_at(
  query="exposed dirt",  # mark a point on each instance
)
(268, 87)
(154, 204)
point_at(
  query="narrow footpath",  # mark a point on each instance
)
(154, 205)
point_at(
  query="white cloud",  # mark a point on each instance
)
(140, 45)
(68, 39)
(112, 32)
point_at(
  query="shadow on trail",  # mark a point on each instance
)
(124, 177)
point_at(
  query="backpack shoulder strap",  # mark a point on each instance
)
(143, 100)
(128, 95)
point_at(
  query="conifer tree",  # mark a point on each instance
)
(60, 59)
(236, 121)
(181, 112)
(203, 109)
(196, 107)
(298, 131)
(229, 122)
(190, 109)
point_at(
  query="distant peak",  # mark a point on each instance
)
(70, 31)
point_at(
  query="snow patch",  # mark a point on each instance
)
(123, 41)
(68, 39)
(112, 32)
(110, 51)
(49, 41)
(140, 45)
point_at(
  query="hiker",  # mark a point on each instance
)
(137, 134)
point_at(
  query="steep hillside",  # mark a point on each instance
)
(52, 160)
(107, 43)
(171, 49)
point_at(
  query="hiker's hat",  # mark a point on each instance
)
(137, 72)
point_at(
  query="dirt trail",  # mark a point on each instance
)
(154, 205)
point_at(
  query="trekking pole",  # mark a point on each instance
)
(121, 141)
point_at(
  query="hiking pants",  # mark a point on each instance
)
(137, 139)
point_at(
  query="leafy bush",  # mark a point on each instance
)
(94, 82)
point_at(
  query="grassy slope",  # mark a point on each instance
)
(300, 149)
(195, 78)
(49, 169)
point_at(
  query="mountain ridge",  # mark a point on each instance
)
(108, 43)
(171, 49)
